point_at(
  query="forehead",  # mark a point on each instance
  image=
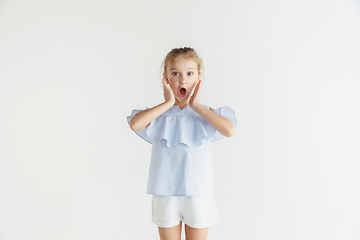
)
(183, 63)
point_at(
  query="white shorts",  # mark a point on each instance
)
(196, 212)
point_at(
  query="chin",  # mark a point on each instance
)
(182, 99)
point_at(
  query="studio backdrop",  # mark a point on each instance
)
(72, 71)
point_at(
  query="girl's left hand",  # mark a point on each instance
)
(195, 98)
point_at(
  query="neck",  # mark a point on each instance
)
(181, 104)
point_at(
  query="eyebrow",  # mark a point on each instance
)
(186, 69)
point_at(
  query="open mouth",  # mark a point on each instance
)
(182, 92)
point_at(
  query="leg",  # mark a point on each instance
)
(196, 233)
(173, 233)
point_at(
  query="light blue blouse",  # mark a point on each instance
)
(181, 159)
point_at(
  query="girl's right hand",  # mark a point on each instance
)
(168, 93)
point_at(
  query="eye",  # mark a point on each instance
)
(175, 73)
(190, 73)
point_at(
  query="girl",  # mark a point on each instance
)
(181, 131)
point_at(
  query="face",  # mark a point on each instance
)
(182, 76)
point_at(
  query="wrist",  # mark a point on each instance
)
(196, 107)
(168, 104)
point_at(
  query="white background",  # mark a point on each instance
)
(72, 70)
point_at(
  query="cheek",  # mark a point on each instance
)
(171, 79)
(194, 85)
(173, 86)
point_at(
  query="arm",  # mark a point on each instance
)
(143, 119)
(221, 124)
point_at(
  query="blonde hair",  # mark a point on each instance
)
(185, 52)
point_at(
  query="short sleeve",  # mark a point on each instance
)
(143, 132)
(228, 113)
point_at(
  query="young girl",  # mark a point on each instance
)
(181, 131)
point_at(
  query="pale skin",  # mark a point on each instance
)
(182, 73)
(179, 76)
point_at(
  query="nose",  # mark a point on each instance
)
(182, 79)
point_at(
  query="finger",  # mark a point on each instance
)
(164, 83)
(197, 88)
(199, 84)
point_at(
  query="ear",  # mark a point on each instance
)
(199, 76)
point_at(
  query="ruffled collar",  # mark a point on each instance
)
(183, 126)
(178, 125)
